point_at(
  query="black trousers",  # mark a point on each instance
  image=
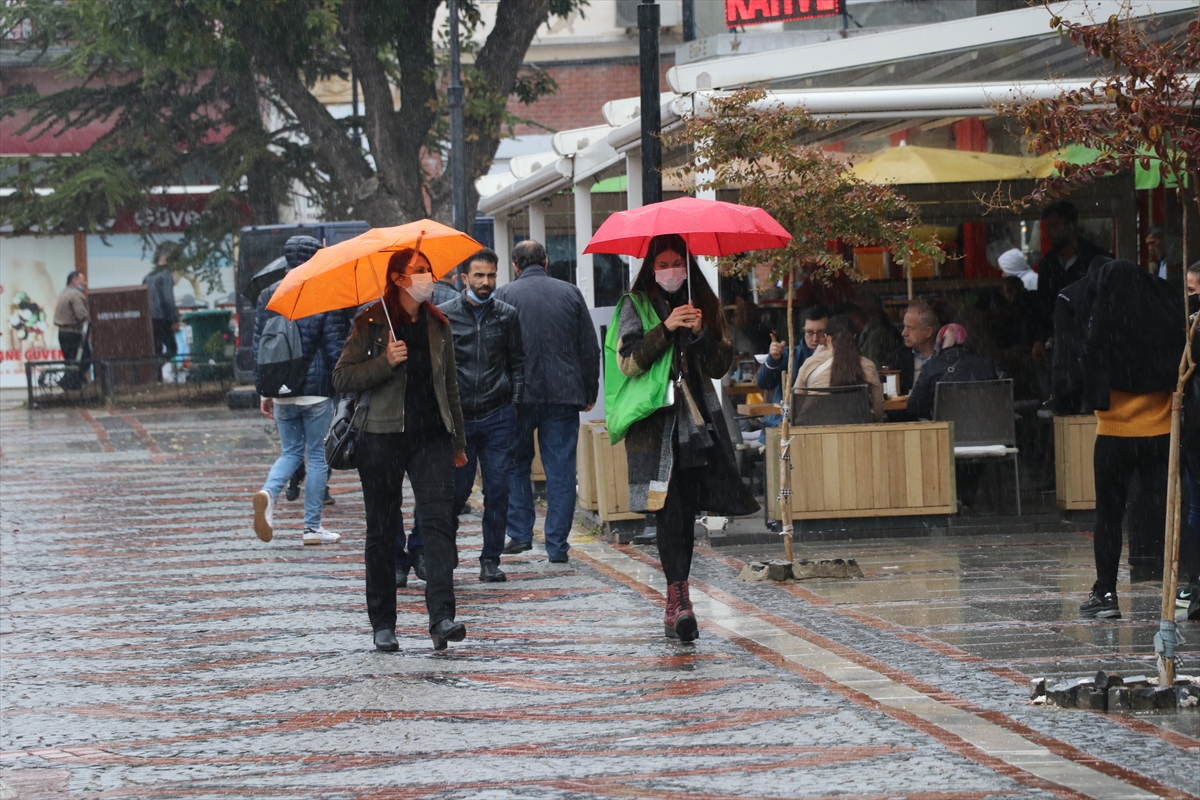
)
(383, 459)
(1117, 460)
(676, 524)
(164, 339)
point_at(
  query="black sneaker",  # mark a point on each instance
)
(293, 489)
(1100, 606)
(490, 572)
(328, 501)
(1183, 598)
(515, 547)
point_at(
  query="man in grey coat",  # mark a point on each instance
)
(562, 378)
(164, 315)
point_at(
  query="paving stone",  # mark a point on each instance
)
(1118, 699)
(154, 647)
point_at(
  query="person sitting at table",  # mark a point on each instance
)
(770, 374)
(920, 325)
(838, 362)
(953, 363)
(877, 336)
(747, 334)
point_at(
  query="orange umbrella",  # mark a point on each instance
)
(353, 272)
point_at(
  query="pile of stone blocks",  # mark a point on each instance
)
(1110, 692)
(783, 571)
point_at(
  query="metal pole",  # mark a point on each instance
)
(689, 20)
(354, 107)
(458, 165)
(648, 24)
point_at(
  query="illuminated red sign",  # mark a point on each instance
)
(756, 12)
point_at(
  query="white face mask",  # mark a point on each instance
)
(419, 286)
(671, 279)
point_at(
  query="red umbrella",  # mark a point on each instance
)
(709, 227)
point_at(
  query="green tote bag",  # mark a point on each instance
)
(627, 400)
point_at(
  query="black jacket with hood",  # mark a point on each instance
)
(1117, 328)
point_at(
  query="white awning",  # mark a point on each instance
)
(903, 44)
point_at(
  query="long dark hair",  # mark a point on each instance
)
(391, 292)
(847, 360)
(703, 297)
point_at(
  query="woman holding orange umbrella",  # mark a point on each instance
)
(402, 352)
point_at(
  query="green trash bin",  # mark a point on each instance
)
(211, 341)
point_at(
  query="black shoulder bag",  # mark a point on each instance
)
(345, 428)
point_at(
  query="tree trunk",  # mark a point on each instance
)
(785, 439)
(1167, 627)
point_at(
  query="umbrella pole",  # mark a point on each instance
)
(386, 315)
(687, 265)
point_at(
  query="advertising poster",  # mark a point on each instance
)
(33, 272)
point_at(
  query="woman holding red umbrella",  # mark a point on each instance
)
(681, 457)
(402, 352)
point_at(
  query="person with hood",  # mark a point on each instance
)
(302, 416)
(1012, 262)
(681, 457)
(1122, 328)
(402, 351)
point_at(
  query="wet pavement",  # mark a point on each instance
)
(151, 646)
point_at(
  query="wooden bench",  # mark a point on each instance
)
(880, 470)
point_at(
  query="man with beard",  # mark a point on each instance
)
(490, 361)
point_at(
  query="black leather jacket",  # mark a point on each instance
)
(489, 355)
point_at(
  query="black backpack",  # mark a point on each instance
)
(281, 365)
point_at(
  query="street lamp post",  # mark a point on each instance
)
(648, 24)
(458, 165)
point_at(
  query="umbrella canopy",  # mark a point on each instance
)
(351, 273)
(709, 227)
(909, 165)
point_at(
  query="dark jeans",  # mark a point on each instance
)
(1117, 460)
(489, 445)
(675, 523)
(164, 339)
(557, 429)
(68, 342)
(1189, 534)
(429, 461)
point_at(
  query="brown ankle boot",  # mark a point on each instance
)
(680, 621)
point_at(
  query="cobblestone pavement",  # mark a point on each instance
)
(152, 647)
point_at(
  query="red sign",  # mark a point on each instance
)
(757, 12)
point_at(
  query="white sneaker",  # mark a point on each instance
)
(319, 535)
(264, 515)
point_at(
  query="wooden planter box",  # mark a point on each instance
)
(612, 477)
(882, 470)
(585, 469)
(1074, 446)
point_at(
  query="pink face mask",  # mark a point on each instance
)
(670, 279)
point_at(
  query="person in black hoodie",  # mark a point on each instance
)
(1124, 330)
(302, 418)
(1070, 258)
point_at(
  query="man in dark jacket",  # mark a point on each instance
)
(303, 418)
(953, 363)
(919, 335)
(491, 379)
(1069, 259)
(562, 378)
(164, 315)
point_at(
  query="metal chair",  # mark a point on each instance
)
(984, 422)
(833, 405)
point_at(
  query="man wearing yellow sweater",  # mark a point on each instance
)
(1123, 330)
(1132, 437)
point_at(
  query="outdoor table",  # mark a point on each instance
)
(895, 403)
(757, 409)
(743, 388)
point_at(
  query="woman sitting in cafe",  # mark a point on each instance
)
(838, 362)
(952, 361)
